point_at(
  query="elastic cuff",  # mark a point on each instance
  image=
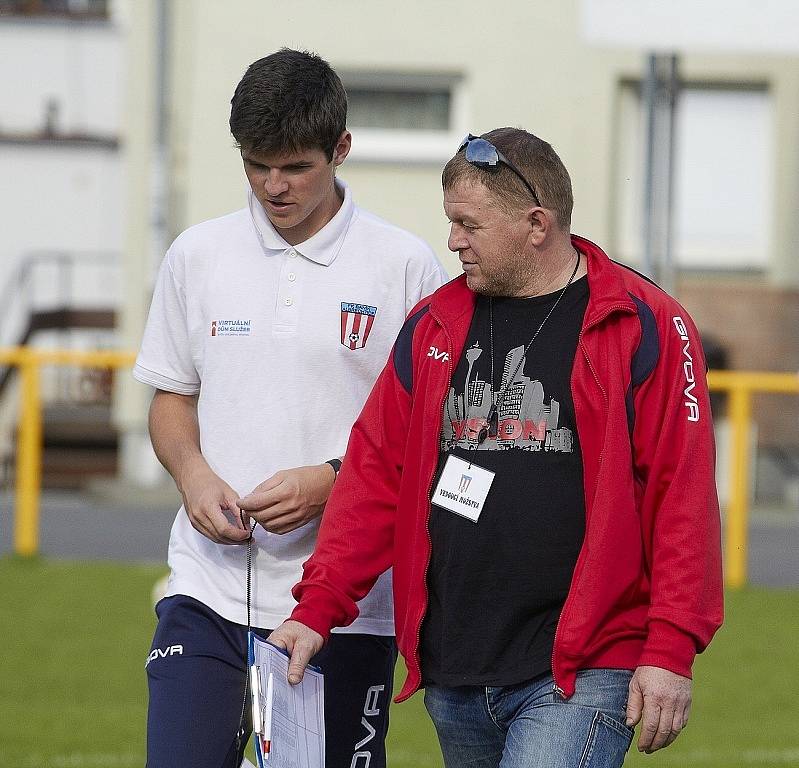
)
(318, 611)
(668, 648)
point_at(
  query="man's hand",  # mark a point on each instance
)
(290, 498)
(211, 505)
(209, 501)
(661, 701)
(303, 643)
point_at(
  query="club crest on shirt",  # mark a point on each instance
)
(356, 323)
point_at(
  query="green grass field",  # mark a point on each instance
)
(73, 694)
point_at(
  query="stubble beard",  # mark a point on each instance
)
(510, 281)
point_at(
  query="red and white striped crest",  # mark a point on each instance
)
(356, 323)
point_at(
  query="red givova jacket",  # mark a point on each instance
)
(647, 585)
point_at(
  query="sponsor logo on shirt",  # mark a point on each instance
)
(356, 323)
(231, 327)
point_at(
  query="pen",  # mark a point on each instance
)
(267, 732)
(255, 693)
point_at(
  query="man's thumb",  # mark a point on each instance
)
(635, 706)
(299, 660)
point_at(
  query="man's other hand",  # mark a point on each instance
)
(301, 642)
(661, 701)
(290, 498)
(211, 506)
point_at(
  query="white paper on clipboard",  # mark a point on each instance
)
(298, 711)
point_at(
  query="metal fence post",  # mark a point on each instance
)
(29, 456)
(736, 544)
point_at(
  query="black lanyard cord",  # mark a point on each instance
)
(241, 730)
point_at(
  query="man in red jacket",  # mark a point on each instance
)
(536, 463)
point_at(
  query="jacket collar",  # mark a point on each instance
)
(607, 292)
(323, 247)
(453, 300)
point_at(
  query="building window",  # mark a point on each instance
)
(65, 9)
(404, 117)
(723, 176)
(396, 109)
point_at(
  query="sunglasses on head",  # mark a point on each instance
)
(483, 154)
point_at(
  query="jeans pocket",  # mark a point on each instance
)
(607, 743)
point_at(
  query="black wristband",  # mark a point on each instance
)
(336, 464)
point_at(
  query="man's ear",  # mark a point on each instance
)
(342, 148)
(541, 223)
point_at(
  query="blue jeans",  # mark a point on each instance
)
(529, 725)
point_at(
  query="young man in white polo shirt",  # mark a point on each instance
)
(267, 329)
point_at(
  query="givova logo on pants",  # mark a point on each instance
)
(157, 653)
(363, 757)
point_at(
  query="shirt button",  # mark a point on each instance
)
(292, 277)
(292, 254)
(288, 302)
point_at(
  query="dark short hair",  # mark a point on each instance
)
(537, 161)
(289, 101)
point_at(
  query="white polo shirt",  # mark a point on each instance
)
(283, 344)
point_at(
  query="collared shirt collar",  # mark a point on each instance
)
(323, 247)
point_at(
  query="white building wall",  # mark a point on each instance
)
(531, 71)
(521, 63)
(59, 195)
(79, 64)
(60, 199)
(524, 65)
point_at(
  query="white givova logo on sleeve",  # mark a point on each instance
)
(691, 403)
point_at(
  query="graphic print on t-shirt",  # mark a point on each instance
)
(528, 416)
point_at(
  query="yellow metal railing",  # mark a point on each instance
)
(29, 434)
(740, 385)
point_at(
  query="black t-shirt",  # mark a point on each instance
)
(497, 586)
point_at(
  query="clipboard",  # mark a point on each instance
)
(288, 720)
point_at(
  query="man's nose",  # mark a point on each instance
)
(275, 183)
(456, 241)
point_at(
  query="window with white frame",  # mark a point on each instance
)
(723, 176)
(404, 117)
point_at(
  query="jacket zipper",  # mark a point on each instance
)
(417, 654)
(555, 687)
